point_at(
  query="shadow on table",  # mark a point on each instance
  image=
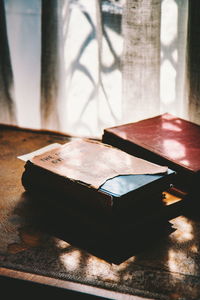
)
(113, 241)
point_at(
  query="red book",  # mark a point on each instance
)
(164, 139)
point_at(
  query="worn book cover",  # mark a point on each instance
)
(102, 193)
(164, 139)
(99, 176)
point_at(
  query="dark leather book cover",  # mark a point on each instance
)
(97, 175)
(164, 139)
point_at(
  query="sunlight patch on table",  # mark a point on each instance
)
(180, 262)
(71, 260)
(184, 230)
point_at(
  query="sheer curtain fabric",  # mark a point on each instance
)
(78, 66)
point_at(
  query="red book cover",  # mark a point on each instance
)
(164, 139)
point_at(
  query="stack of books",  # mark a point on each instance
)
(113, 200)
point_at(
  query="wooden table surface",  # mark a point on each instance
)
(169, 269)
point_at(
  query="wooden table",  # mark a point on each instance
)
(39, 261)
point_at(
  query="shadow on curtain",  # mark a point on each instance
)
(79, 66)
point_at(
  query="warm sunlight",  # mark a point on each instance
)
(170, 126)
(61, 244)
(179, 261)
(85, 91)
(176, 149)
(173, 52)
(98, 267)
(71, 259)
(184, 230)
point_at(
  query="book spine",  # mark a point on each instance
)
(36, 179)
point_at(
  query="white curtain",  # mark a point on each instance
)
(79, 66)
(23, 20)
